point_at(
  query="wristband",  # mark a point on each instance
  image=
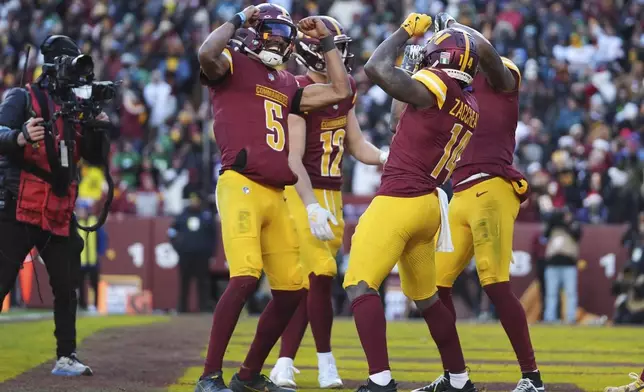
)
(327, 44)
(238, 20)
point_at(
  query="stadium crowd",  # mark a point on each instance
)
(582, 93)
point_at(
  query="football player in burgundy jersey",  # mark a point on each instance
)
(402, 221)
(487, 195)
(318, 140)
(251, 101)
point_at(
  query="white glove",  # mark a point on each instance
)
(384, 155)
(319, 222)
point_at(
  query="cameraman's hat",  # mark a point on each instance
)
(58, 45)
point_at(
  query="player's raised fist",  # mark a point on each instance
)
(442, 21)
(417, 24)
(313, 27)
(252, 14)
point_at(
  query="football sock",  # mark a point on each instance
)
(445, 294)
(534, 376)
(642, 376)
(369, 316)
(442, 327)
(294, 332)
(225, 319)
(382, 378)
(270, 327)
(284, 362)
(458, 380)
(513, 319)
(325, 357)
(321, 311)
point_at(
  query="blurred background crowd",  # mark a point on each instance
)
(580, 139)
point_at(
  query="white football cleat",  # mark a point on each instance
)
(71, 366)
(328, 376)
(283, 373)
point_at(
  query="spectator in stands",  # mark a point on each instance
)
(562, 252)
(193, 237)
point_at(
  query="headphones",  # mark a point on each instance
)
(68, 46)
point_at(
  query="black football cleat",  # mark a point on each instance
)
(441, 384)
(468, 387)
(371, 386)
(259, 383)
(212, 383)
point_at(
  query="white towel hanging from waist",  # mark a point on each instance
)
(444, 235)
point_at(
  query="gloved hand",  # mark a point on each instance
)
(384, 155)
(442, 21)
(319, 222)
(417, 24)
(412, 58)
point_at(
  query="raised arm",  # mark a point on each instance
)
(359, 147)
(498, 74)
(297, 147)
(381, 67)
(214, 61)
(320, 95)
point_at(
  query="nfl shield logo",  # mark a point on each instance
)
(444, 58)
(271, 77)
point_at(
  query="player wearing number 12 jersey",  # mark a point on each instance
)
(251, 101)
(402, 221)
(318, 140)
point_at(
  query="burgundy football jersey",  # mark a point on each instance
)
(491, 149)
(429, 141)
(250, 108)
(325, 140)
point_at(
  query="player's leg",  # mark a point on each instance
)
(377, 244)
(286, 278)
(635, 386)
(241, 209)
(323, 271)
(449, 265)
(418, 280)
(283, 373)
(492, 224)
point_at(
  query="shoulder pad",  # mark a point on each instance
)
(432, 79)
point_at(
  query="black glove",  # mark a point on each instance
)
(442, 21)
(412, 59)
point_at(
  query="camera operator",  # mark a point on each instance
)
(39, 183)
(561, 255)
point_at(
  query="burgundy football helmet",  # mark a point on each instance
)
(308, 51)
(271, 38)
(453, 51)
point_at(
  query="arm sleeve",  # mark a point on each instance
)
(434, 84)
(13, 114)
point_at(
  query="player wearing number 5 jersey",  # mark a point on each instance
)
(402, 221)
(251, 103)
(318, 140)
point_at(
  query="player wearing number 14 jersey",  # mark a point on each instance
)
(409, 210)
(318, 140)
(251, 102)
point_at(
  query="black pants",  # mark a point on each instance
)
(62, 260)
(194, 266)
(90, 273)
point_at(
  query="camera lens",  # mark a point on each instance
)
(83, 66)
